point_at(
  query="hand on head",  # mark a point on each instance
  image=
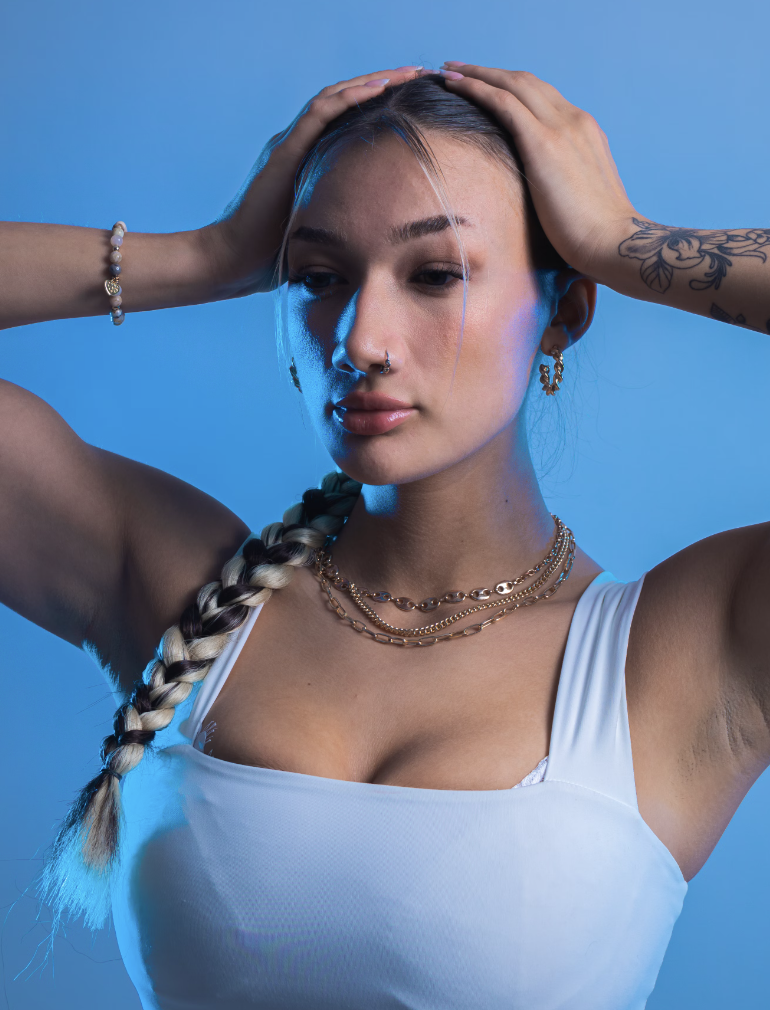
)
(246, 239)
(574, 182)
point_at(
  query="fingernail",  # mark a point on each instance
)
(451, 75)
(409, 68)
(377, 84)
(453, 63)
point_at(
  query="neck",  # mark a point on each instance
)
(479, 522)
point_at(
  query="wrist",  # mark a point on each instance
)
(607, 264)
(219, 261)
(234, 270)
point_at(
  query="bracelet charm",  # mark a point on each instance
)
(112, 284)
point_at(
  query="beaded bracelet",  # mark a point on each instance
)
(112, 284)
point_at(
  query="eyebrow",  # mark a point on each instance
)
(318, 236)
(398, 233)
(426, 226)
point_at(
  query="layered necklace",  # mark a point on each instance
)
(502, 598)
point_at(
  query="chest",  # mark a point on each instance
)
(252, 889)
(307, 694)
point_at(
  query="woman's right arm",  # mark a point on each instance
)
(50, 271)
(59, 529)
(95, 547)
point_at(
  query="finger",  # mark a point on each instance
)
(541, 98)
(286, 150)
(512, 114)
(523, 76)
(321, 110)
(546, 104)
(396, 76)
(335, 99)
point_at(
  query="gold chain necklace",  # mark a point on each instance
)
(454, 597)
(331, 571)
(328, 575)
(431, 629)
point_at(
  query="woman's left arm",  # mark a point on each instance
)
(589, 219)
(707, 609)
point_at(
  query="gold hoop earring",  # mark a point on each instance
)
(549, 388)
(386, 367)
(294, 375)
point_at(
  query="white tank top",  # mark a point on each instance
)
(243, 887)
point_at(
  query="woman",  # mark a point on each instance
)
(336, 819)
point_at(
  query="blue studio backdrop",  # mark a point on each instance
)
(153, 112)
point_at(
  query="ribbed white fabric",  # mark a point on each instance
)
(244, 887)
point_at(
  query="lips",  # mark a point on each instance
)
(369, 413)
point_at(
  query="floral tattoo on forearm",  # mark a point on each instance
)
(663, 250)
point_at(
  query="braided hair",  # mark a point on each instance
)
(76, 877)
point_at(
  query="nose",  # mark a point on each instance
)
(365, 341)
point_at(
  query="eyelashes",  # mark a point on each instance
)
(312, 280)
(439, 277)
(437, 273)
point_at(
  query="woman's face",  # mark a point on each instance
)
(375, 268)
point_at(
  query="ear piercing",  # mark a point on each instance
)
(294, 375)
(386, 367)
(549, 388)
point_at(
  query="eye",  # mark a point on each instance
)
(316, 281)
(439, 276)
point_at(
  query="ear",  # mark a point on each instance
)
(572, 310)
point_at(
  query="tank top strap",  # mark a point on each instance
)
(590, 738)
(214, 681)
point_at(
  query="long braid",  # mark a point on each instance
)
(77, 876)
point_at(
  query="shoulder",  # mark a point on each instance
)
(698, 636)
(705, 608)
(177, 539)
(698, 680)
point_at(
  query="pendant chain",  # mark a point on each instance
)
(432, 602)
(561, 556)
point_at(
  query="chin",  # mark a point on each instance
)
(386, 459)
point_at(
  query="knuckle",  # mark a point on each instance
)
(582, 118)
(551, 140)
(509, 104)
(314, 107)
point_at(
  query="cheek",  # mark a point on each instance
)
(432, 337)
(503, 328)
(304, 325)
(310, 331)
(306, 346)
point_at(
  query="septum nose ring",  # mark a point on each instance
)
(386, 367)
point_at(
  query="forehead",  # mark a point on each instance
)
(376, 186)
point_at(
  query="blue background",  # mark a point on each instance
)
(154, 113)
